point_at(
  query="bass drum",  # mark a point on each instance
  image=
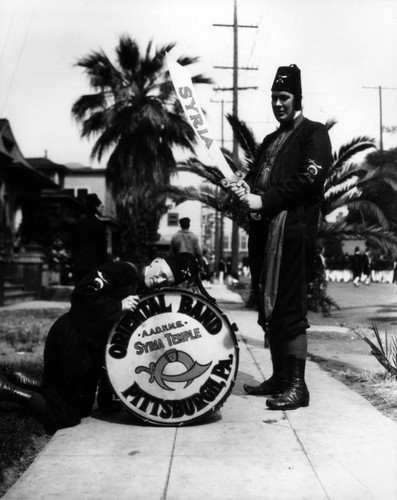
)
(174, 360)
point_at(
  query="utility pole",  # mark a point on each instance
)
(379, 89)
(219, 217)
(235, 88)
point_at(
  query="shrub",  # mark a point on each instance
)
(385, 352)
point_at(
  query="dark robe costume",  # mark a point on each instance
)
(75, 346)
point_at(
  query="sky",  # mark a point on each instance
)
(346, 49)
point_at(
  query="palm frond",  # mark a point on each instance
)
(88, 103)
(339, 196)
(350, 149)
(245, 137)
(128, 55)
(206, 195)
(376, 236)
(207, 172)
(368, 210)
(187, 60)
(101, 72)
(330, 123)
(387, 174)
(344, 174)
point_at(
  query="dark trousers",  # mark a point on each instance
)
(288, 318)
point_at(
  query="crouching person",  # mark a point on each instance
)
(75, 346)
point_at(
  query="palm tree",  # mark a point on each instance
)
(367, 191)
(133, 113)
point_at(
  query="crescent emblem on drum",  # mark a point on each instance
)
(156, 370)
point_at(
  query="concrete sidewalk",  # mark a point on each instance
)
(339, 447)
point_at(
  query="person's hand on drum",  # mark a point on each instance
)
(130, 303)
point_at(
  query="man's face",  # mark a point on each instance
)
(158, 273)
(283, 104)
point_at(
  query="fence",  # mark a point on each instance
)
(25, 276)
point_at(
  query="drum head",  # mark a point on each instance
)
(174, 359)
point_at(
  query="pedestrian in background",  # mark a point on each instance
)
(228, 271)
(185, 240)
(205, 270)
(221, 271)
(90, 243)
(284, 191)
(366, 267)
(356, 266)
(395, 271)
(211, 269)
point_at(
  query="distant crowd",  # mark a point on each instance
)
(361, 268)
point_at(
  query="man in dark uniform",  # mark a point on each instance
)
(283, 194)
(357, 266)
(75, 345)
(90, 239)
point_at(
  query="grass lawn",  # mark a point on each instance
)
(22, 337)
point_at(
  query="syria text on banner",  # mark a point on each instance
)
(185, 92)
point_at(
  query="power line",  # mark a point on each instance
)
(233, 25)
(240, 67)
(232, 88)
(7, 34)
(19, 55)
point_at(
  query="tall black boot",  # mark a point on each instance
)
(297, 394)
(277, 383)
(33, 400)
(24, 381)
(10, 392)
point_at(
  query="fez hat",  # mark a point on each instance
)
(119, 279)
(183, 266)
(288, 79)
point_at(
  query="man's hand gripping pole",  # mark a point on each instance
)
(234, 178)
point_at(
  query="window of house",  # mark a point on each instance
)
(173, 219)
(227, 242)
(243, 241)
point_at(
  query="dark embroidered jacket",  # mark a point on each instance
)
(298, 172)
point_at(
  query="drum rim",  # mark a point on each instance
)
(233, 329)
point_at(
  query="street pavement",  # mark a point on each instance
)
(340, 447)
